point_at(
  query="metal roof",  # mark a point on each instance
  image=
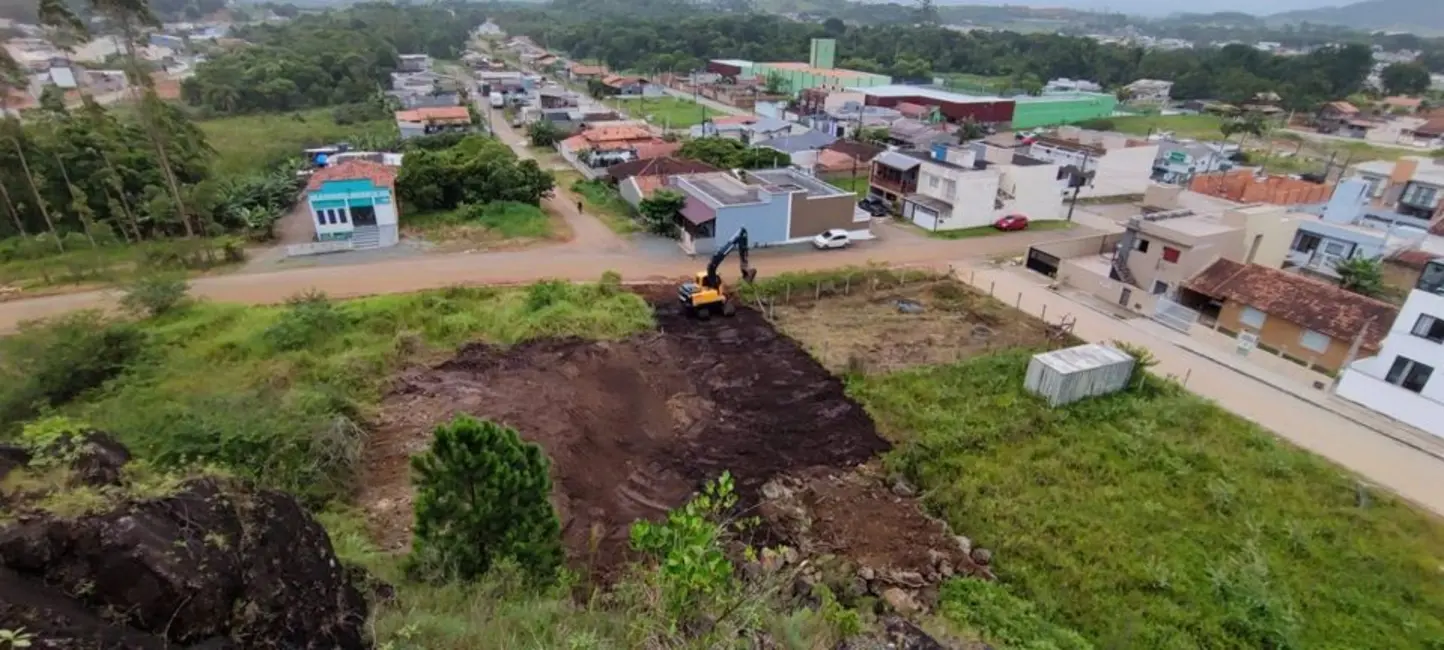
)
(1083, 357)
(897, 160)
(899, 90)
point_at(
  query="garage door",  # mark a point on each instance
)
(1043, 262)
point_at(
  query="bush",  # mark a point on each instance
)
(482, 495)
(309, 318)
(153, 295)
(688, 547)
(1099, 124)
(50, 363)
(546, 293)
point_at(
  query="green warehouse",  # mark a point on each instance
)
(818, 72)
(1061, 108)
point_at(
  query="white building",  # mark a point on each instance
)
(1149, 91)
(1120, 164)
(1399, 382)
(966, 191)
(352, 205)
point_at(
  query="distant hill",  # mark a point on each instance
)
(1424, 17)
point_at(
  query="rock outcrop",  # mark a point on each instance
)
(205, 562)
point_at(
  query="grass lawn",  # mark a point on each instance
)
(1198, 127)
(601, 201)
(671, 112)
(857, 185)
(493, 223)
(253, 143)
(83, 265)
(986, 231)
(1156, 519)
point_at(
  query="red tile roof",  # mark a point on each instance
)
(1343, 107)
(1434, 127)
(909, 109)
(650, 150)
(734, 119)
(862, 151)
(584, 69)
(434, 114)
(1403, 102)
(658, 167)
(1300, 300)
(380, 175)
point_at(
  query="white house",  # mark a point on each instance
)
(1120, 164)
(1399, 382)
(960, 191)
(353, 204)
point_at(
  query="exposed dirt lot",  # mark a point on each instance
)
(632, 427)
(872, 332)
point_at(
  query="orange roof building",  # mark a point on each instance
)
(436, 115)
(353, 205)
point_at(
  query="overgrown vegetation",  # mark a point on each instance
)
(247, 143)
(604, 202)
(283, 387)
(489, 222)
(475, 170)
(1155, 519)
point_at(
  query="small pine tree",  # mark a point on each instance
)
(481, 495)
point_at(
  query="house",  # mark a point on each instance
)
(557, 98)
(1430, 134)
(894, 175)
(954, 107)
(595, 148)
(1313, 322)
(920, 112)
(746, 128)
(1398, 380)
(1149, 91)
(1402, 105)
(915, 134)
(1247, 186)
(627, 85)
(845, 158)
(958, 190)
(1396, 130)
(1411, 185)
(638, 179)
(354, 202)
(546, 61)
(582, 72)
(802, 148)
(776, 206)
(1162, 248)
(1119, 164)
(1333, 115)
(1348, 227)
(413, 63)
(1177, 162)
(417, 122)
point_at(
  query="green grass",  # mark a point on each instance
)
(857, 185)
(976, 82)
(490, 222)
(602, 201)
(1155, 519)
(671, 112)
(279, 393)
(38, 267)
(253, 143)
(1198, 127)
(988, 231)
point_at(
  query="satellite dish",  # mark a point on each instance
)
(321, 159)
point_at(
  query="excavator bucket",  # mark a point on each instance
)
(749, 274)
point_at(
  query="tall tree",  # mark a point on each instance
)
(1404, 79)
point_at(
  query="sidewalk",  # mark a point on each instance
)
(1318, 423)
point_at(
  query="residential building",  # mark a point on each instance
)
(956, 189)
(1178, 162)
(894, 175)
(746, 128)
(417, 122)
(845, 159)
(626, 85)
(1149, 91)
(1247, 186)
(1411, 185)
(1052, 109)
(1315, 323)
(1403, 105)
(795, 77)
(1334, 115)
(1066, 85)
(801, 148)
(1163, 247)
(954, 107)
(1348, 227)
(582, 72)
(912, 134)
(413, 63)
(776, 206)
(1398, 381)
(638, 179)
(595, 148)
(1115, 164)
(1430, 134)
(354, 202)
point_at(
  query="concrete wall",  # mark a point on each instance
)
(1093, 278)
(1127, 170)
(811, 216)
(1081, 246)
(1284, 336)
(629, 191)
(1268, 233)
(766, 223)
(1364, 382)
(1036, 190)
(1193, 257)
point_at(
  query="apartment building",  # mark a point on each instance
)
(1177, 162)
(1412, 185)
(1119, 164)
(957, 189)
(1398, 381)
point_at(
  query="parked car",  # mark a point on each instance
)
(875, 206)
(1012, 222)
(831, 239)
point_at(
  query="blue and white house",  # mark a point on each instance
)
(353, 206)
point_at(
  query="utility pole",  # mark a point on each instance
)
(1078, 187)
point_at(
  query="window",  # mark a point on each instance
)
(1409, 374)
(950, 188)
(1430, 328)
(1170, 254)
(1420, 195)
(1252, 317)
(1306, 242)
(341, 216)
(932, 181)
(332, 216)
(320, 217)
(1159, 288)
(1316, 341)
(1140, 245)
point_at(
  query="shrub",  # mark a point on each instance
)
(546, 293)
(309, 318)
(482, 495)
(688, 548)
(153, 295)
(50, 363)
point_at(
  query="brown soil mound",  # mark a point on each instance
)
(632, 427)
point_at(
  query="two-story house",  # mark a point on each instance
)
(1120, 164)
(1412, 185)
(895, 175)
(1176, 162)
(956, 189)
(1348, 227)
(1334, 115)
(776, 206)
(1399, 381)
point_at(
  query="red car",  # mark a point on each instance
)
(1012, 222)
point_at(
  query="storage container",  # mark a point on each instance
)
(1068, 375)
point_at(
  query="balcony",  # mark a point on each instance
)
(894, 185)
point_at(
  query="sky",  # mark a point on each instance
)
(1164, 7)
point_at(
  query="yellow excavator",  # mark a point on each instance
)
(707, 295)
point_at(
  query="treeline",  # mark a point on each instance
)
(324, 59)
(1233, 73)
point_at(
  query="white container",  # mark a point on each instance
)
(1068, 375)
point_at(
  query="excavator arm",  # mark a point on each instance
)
(738, 242)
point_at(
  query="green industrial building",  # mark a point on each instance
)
(1061, 108)
(796, 76)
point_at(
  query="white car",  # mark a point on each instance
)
(831, 239)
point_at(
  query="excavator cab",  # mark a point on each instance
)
(707, 294)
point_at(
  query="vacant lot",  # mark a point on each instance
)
(1198, 127)
(256, 143)
(495, 226)
(1155, 519)
(667, 112)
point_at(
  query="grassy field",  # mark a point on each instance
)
(1197, 127)
(988, 231)
(38, 269)
(504, 223)
(670, 112)
(857, 185)
(1155, 519)
(975, 82)
(601, 201)
(252, 143)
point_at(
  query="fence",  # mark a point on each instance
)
(1174, 315)
(319, 247)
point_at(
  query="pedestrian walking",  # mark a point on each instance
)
(579, 206)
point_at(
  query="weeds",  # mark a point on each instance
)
(155, 294)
